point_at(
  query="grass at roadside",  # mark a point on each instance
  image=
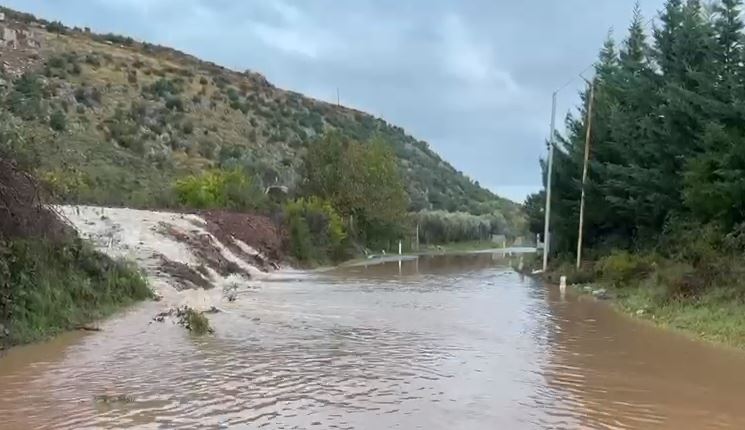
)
(47, 288)
(660, 292)
(717, 315)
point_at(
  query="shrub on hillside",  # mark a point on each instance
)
(58, 121)
(56, 27)
(175, 103)
(25, 100)
(220, 189)
(163, 88)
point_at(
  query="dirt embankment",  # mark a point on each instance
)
(258, 232)
(189, 259)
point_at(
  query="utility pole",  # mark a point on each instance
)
(584, 172)
(417, 236)
(338, 99)
(547, 220)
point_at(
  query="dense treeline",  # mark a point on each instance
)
(439, 227)
(665, 210)
(668, 134)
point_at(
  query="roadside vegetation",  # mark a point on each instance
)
(50, 280)
(665, 214)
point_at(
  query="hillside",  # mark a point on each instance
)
(109, 120)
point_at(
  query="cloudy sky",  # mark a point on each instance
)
(472, 77)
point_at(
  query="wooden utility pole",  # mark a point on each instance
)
(584, 172)
(547, 214)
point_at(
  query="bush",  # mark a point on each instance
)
(93, 60)
(187, 127)
(196, 322)
(316, 230)
(76, 69)
(678, 281)
(164, 88)
(301, 242)
(175, 103)
(56, 27)
(57, 62)
(220, 189)
(26, 98)
(58, 121)
(118, 39)
(621, 268)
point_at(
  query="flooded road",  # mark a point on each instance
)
(449, 342)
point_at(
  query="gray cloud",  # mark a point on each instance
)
(473, 77)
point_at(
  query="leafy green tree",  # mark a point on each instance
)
(361, 180)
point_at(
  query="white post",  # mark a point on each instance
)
(563, 285)
(399, 248)
(547, 220)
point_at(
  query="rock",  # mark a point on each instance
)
(157, 297)
(212, 310)
(601, 294)
(587, 288)
(162, 316)
(640, 312)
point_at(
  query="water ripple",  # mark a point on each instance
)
(450, 342)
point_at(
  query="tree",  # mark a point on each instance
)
(535, 210)
(361, 180)
(668, 133)
(728, 53)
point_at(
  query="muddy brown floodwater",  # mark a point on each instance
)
(456, 342)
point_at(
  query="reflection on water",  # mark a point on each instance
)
(443, 342)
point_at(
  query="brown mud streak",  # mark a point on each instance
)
(203, 247)
(256, 231)
(188, 277)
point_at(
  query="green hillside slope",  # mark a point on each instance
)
(109, 120)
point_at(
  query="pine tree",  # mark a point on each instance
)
(635, 48)
(668, 139)
(729, 51)
(672, 19)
